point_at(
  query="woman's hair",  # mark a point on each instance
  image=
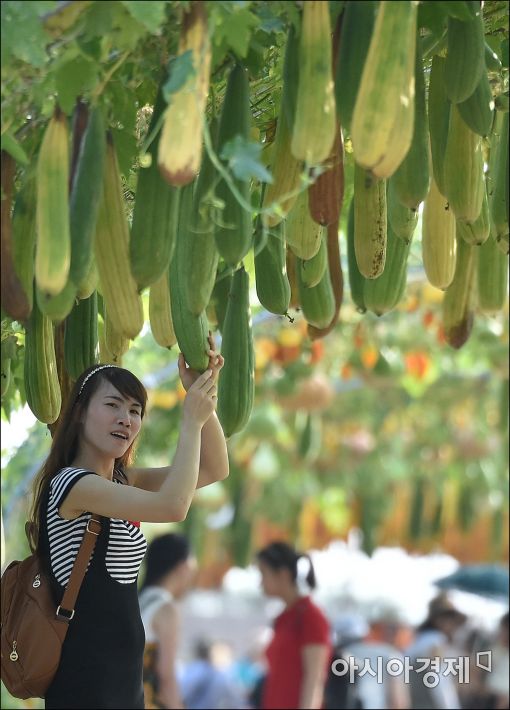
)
(434, 622)
(280, 555)
(65, 442)
(164, 554)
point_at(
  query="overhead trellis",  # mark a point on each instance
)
(278, 125)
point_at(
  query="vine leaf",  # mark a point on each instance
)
(243, 158)
(180, 69)
(234, 28)
(73, 79)
(150, 14)
(23, 35)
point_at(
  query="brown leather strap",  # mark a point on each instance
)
(65, 610)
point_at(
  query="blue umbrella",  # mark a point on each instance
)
(485, 580)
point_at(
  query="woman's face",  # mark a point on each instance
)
(272, 580)
(111, 422)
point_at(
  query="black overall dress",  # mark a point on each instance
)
(102, 655)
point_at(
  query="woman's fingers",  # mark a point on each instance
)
(201, 381)
(219, 362)
(212, 389)
(216, 361)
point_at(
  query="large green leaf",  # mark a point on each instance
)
(22, 32)
(149, 13)
(75, 78)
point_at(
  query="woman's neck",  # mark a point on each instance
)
(290, 596)
(102, 466)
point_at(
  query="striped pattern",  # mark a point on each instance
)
(126, 543)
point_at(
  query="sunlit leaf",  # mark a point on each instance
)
(235, 29)
(75, 78)
(148, 13)
(180, 69)
(243, 158)
(22, 32)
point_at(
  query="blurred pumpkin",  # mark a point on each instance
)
(346, 372)
(428, 318)
(317, 352)
(314, 393)
(369, 357)
(265, 351)
(290, 336)
(287, 353)
(417, 364)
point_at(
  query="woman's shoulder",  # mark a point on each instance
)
(65, 478)
(62, 483)
(311, 607)
(68, 473)
(314, 616)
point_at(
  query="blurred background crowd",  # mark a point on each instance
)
(220, 649)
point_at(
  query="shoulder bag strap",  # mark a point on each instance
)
(65, 610)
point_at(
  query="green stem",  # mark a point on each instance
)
(101, 87)
(305, 180)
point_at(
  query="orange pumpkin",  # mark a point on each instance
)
(314, 393)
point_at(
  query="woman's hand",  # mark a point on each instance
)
(189, 376)
(200, 400)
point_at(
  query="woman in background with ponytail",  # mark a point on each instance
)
(300, 650)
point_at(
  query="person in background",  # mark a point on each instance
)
(378, 689)
(434, 640)
(205, 686)
(299, 653)
(341, 691)
(498, 679)
(169, 574)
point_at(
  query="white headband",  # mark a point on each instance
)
(101, 367)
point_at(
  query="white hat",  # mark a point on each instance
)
(350, 627)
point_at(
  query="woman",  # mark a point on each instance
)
(88, 471)
(431, 687)
(169, 571)
(299, 653)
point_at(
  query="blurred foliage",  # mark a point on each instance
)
(412, 448)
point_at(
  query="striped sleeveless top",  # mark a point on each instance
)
(126, 542)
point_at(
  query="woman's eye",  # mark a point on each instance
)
(111, 404)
